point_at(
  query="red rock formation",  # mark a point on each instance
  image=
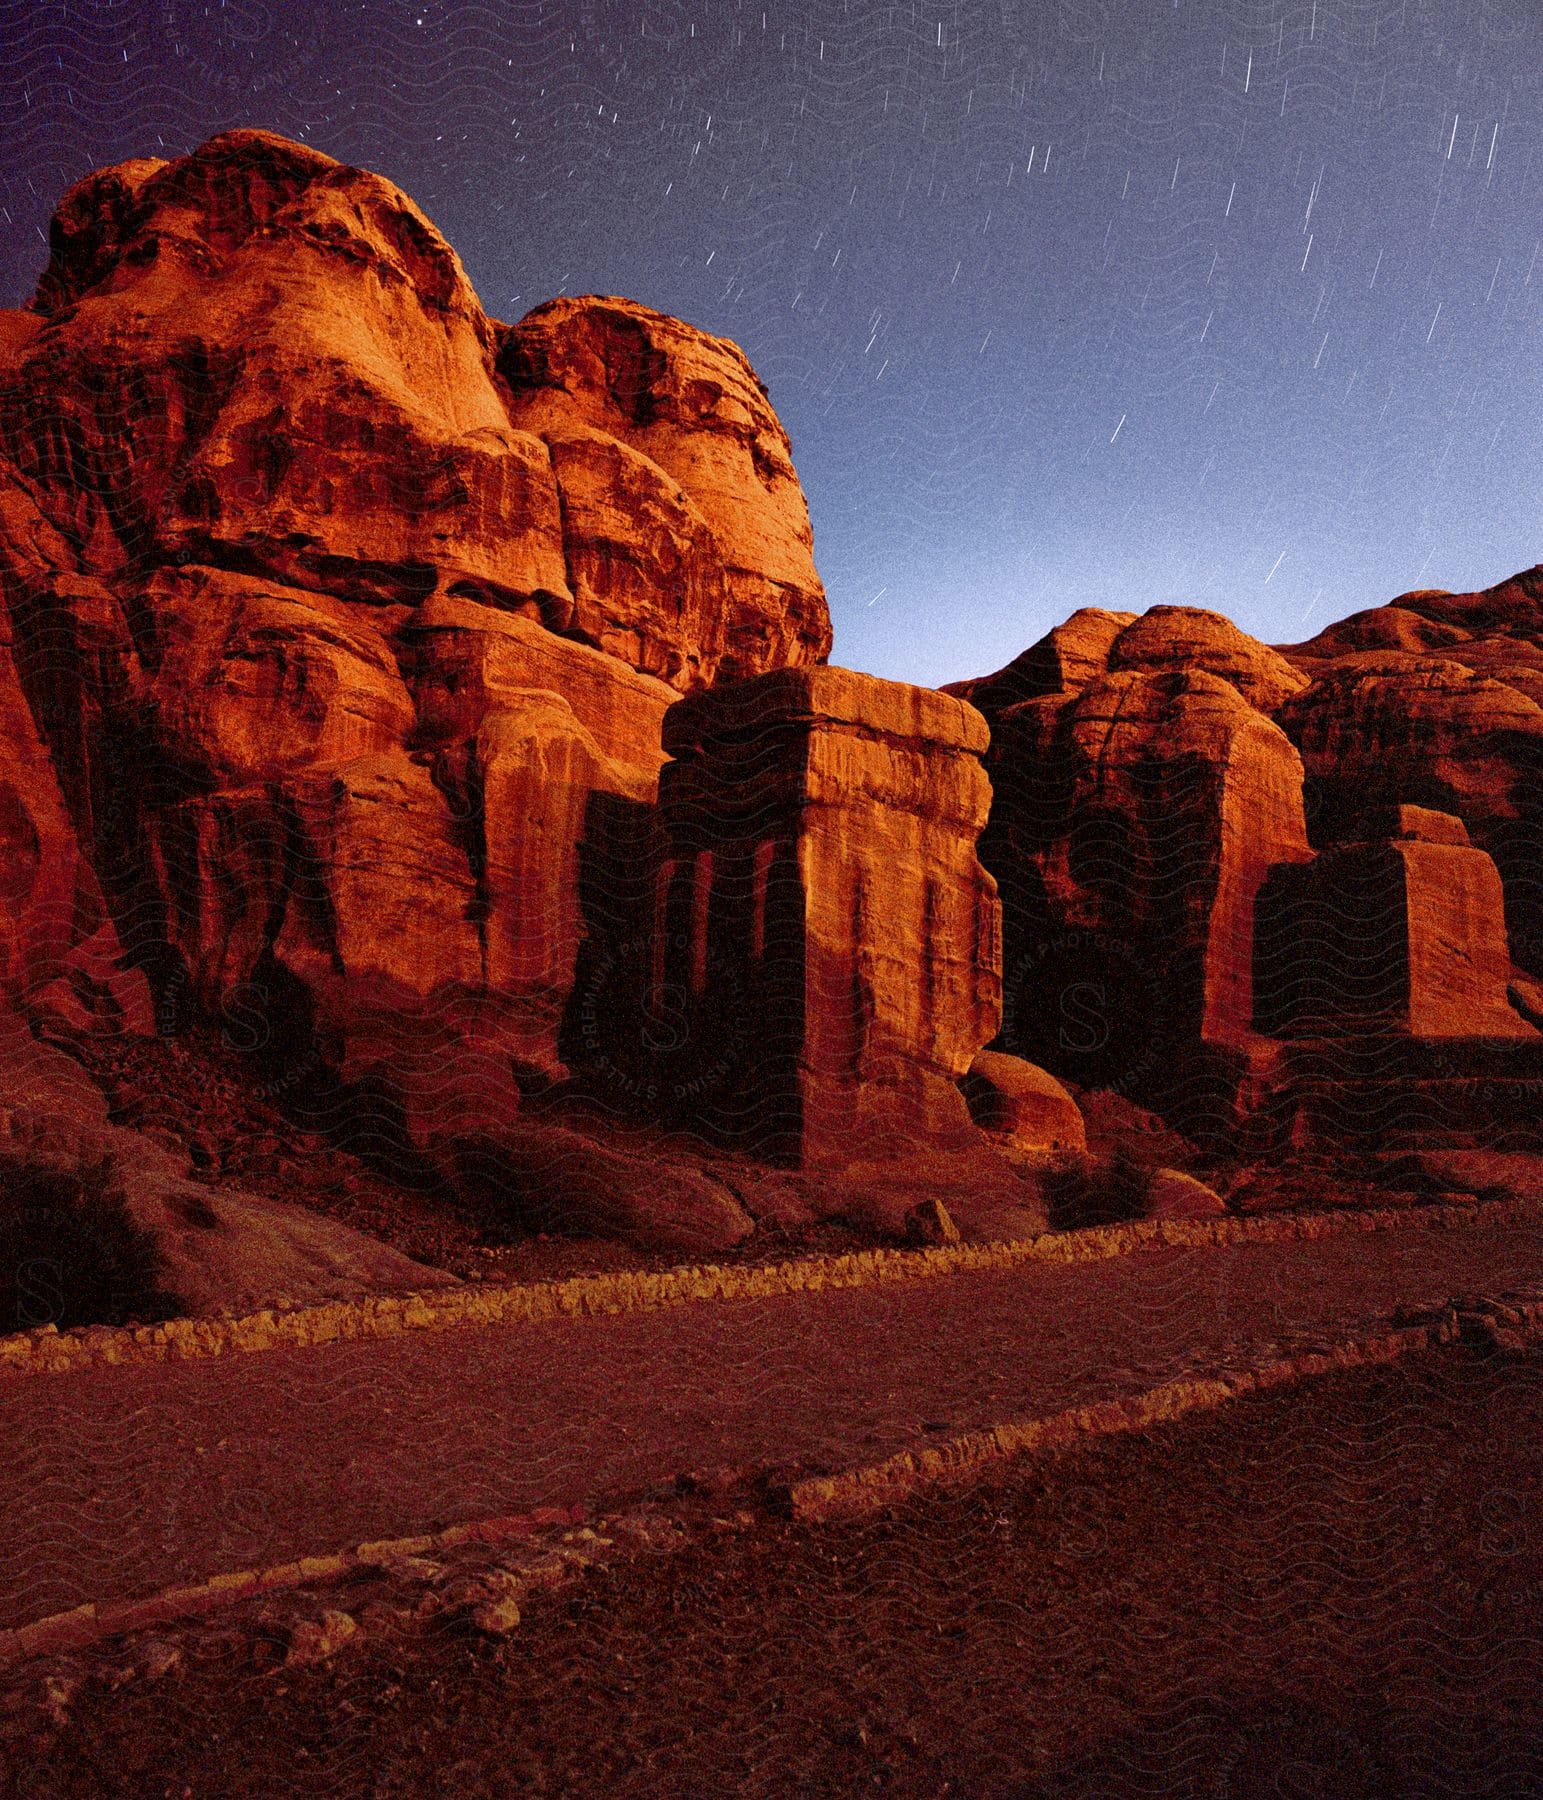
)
(339, 626)
(339, 610)
(1066, 659)
(1141, 807)
(1135, 821)
(1401, 930)
(592, 375)
(1436, 700)
(1189, 638)
(822, 883)
(828, 948)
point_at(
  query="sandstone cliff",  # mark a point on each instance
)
(338, 628)
(433, 709)
(348, 616)
(1223, 864)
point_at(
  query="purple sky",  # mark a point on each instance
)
(1063, 302)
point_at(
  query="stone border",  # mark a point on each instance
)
(48, 1351)
(854, 1493)
(1488, 1324)
(83, 1626)
(897, 1479)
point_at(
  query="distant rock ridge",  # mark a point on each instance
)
(1230, 824)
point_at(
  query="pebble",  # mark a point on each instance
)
(315, 1640)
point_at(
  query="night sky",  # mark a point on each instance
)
(1063, 302)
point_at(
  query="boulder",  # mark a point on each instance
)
(962, 1193)
(1171, 1194)
(929, 1223)
(1022, 1104)
(544, 1177)
(1491, 1174)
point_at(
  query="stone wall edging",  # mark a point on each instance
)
(47, 1351)
(1490, 1325)
(83, 1626)
(896, 1479)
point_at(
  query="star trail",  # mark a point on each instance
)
(1062, 304)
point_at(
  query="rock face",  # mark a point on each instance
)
(1437, 701)
(440, 705)
(99, 1224)
(1138, 811)
(341, 627)
(825, 953)
(710, 578)
(1401, 930)
(1209, 850)
(1065, 660)
(822, 908)
(338, 621)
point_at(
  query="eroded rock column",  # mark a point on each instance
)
(828, 944)
(1398, 931)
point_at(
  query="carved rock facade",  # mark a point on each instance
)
(822, 897)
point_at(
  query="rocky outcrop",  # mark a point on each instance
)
(709, 568)
(1142, 795)
(1188, 638)
(828, 948)
(1401, 929)
(99, 1224)
(1065, 660)
(1134, 823)
(822, 887)
(1204, 844)
(338, 622)
(440, 706)
(1437, 701)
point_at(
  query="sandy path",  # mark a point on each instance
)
(115, 1483)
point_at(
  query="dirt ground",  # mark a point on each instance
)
(1332, 1592)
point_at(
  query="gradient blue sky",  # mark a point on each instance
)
(1079, 302)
